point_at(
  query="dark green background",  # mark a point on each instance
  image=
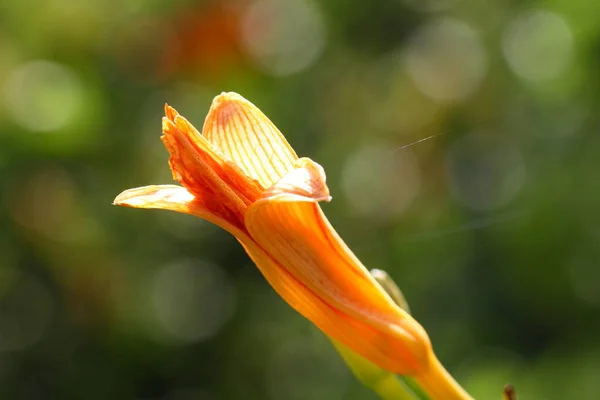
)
(491, 228)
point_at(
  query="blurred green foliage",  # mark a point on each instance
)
(491, 228)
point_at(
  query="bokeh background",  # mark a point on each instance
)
(491, 228)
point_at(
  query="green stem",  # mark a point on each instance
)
(386, 384)
(391, 388)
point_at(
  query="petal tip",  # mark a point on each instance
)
(170, 112)
(155, 196)
(228, 97)
(304, 183)
(226, 103)
(124, 198)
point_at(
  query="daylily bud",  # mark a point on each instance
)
(242, 175)
(390, 287)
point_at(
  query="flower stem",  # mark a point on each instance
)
(391, 388)
(439, 384)
(386, 384)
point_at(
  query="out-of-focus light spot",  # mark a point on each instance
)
(381, 182)
(46, 202)
(395, 104)
(42, 96)
(548, 118)
(430, 5)
(538, 45)
(583, 271)
(26, 309)
(446, 60)
(192, 301)
(302, 369)
(206, 40)
(283, 37)
(485, 171)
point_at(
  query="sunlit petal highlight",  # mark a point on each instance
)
(239, 130)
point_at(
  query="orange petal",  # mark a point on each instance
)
(290, 226)
(239, 130)
(305, 182)
(173, 198)
(358, 336)
(204, 171)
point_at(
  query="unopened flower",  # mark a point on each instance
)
(242, 175)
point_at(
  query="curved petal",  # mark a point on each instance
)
(290, 226)
(176, 198)
(374, 344)
(173, 198)
(305, 181)
(239, 130)
(204, 172)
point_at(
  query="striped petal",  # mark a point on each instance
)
(225, 189)
(173, 198)
(288, 224)
(358, 336)
(239, 130)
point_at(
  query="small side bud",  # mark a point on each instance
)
(509, 392)
(390, 287)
